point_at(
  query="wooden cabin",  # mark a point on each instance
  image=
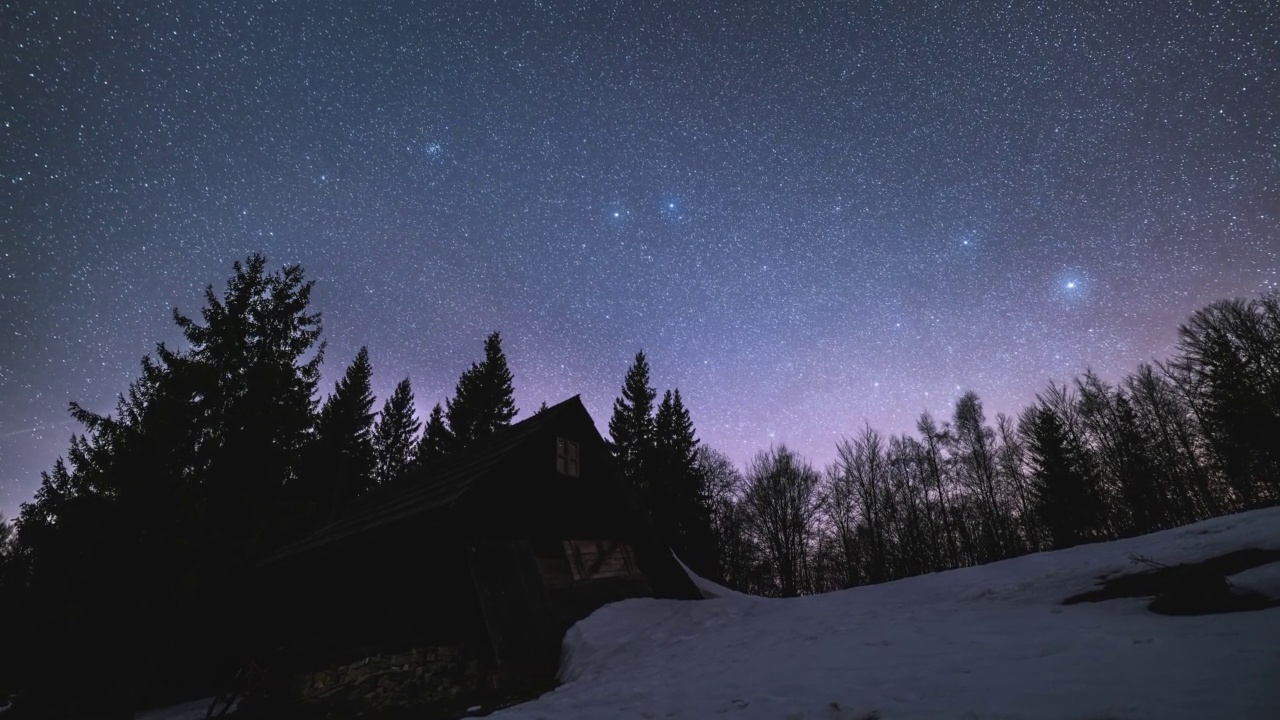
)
(432, 590)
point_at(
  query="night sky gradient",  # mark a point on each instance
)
(809, 216)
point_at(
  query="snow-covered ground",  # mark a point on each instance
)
(991, 642)
(983, 643)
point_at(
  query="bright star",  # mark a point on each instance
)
(1071, 285)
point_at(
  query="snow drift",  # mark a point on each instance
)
(990, 642)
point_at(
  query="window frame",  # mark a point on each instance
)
(603, 549)
(568, 457)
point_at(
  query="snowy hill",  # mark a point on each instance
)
(990, 642)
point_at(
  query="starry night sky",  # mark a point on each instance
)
(807, 217)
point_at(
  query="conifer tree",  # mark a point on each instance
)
(1064, 484)
(631, 425)
(394, 435)
(161, 509)
(254, 388)
(679, 498)
(343, 452)
(484, 400)
(435, 442)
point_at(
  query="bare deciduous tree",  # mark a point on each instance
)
(782, 501)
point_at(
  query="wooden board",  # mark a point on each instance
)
(598, 559)
(515, 606)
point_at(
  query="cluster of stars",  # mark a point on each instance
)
(808, 219)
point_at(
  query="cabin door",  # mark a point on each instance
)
(516, 610)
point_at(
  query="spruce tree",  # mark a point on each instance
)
(160, 510)
(394, 435)
(435, 442)
(1064, 484)
(254, 388)
(343, 451)
(679, 499)
(484, 400)
(631, 425)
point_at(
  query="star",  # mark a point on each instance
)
(755, 222)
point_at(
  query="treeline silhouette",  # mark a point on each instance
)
(126, 580)
(1173, 442)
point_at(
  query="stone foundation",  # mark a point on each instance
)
(413, 678)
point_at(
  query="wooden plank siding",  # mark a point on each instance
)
(596, 559)
(522, 627)
(498, 552)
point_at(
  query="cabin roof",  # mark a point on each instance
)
(412, 496)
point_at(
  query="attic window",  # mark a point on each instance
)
(567, 457)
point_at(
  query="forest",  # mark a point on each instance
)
(131, 559)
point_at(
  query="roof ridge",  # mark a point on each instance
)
(444, 486)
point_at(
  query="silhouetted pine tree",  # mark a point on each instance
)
(137, 543)
(1065, 486)
(631, 425)
(484, 400)
(434, 445)
(394, 436)
(342, 458)
(256, 395)
(679, 499)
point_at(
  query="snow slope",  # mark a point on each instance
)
(990, 642)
